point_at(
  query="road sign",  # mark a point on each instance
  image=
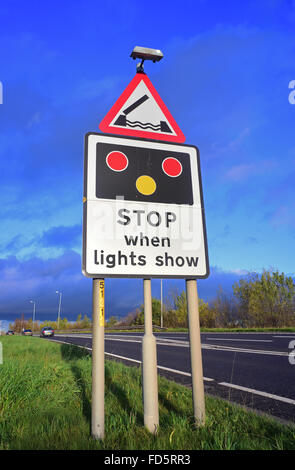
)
(140, 112)
(143, 209)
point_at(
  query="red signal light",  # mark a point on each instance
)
(172, 167)
(117, 161)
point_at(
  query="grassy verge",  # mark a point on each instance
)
(45, 403)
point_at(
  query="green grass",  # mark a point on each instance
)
(45, 403)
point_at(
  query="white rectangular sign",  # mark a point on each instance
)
(143, 209)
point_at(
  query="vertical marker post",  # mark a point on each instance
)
(195, 351)
(161, 303)
(98, 374)
(149, 365)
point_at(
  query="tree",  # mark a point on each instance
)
(177, 316)
(207, 315)
(170, 298)
(77, 324)
(156, 313)
(132, 318)
(181, 309)
(156, 309)
(139, 316)
(85, 323)
(267, 300)
(170, 319)
(112, 321)
(242, 292)
(63, 324)
(225, 311)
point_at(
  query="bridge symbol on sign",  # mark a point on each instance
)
(123, 121)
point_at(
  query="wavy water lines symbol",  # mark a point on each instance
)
(122, 120)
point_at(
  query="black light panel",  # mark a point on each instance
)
(143, 174)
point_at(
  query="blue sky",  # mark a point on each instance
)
(224, 78)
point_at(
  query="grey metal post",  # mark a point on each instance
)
(34, 316)
(34, 313)
(98, 373)
(59, 307)
(161, 303)
(149, 365)
(195, 351)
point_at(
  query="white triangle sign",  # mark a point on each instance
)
(140, 112)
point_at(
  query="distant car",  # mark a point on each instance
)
(46, 331)
(27, 333)
(10, 332)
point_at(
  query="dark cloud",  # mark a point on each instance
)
(39, 279)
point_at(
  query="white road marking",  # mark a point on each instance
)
(188, 374)
(75, 335)
(109, 335)
(107, 338)
(241, 350)
(123, 357)
(160, 342)
(285, 336)
(258, 392)
(232, 339)
(71, 344)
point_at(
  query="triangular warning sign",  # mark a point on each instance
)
(140, 112)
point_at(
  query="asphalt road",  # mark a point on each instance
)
(252, 369)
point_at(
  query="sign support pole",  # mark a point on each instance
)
(149, 365)
(195, 351)
(98, 373)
